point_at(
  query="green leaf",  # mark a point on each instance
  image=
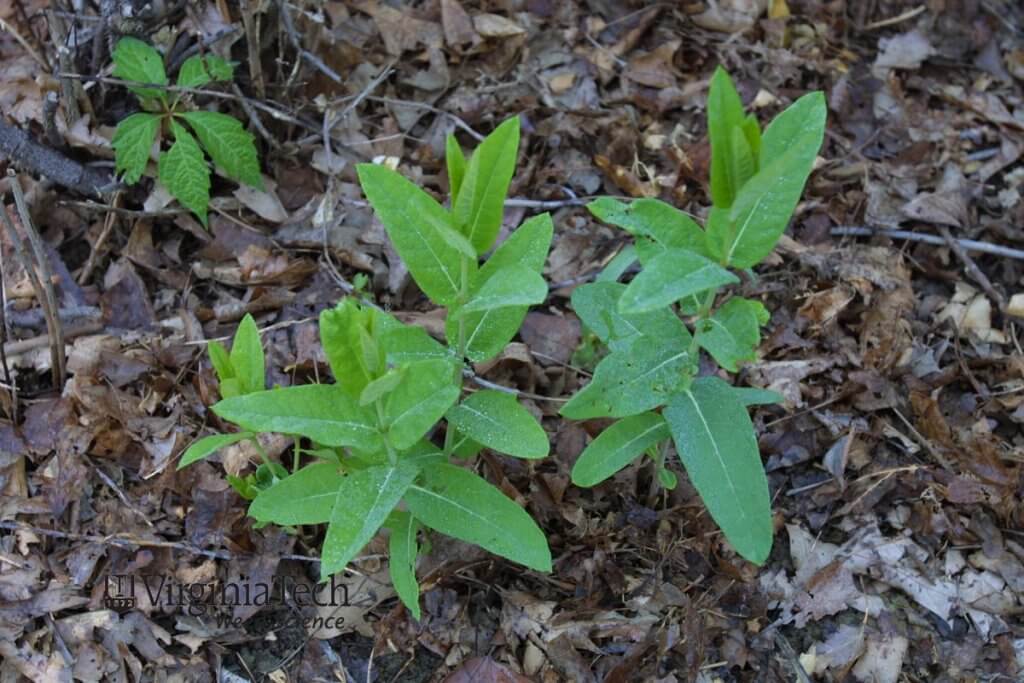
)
(220, 360)
(487, 332)
(137, 61)
(362, 504)
(230, 145)
(306, 497)
(633, 380)
(716, 443)
(197, 71)
(402, 552)
(753, 396)
(617, 446)
(322, 412)
(496, 420)
(422, 399)
(733, 333)
(480, 204)
(653, 218)
(667, 478)
(382, 386)
(597, 305)
(460, 504)
(184, 173)
(725, 112)
(417, 226)
(741, 157)
(764, 206)
(512, 286)
(247, 356)
(209, 445)
(408, 343)
(456, 166)
(752, 131)
(669, 277)
(133, 141)
(343, 345)
(618, 265)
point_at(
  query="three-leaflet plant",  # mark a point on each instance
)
(182, 169)
(370, 459)
(649, 378)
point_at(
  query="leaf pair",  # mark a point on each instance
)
(757, 179)
(182, 169)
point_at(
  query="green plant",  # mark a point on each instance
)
(182, 168)
(371, 460)
(649, 378)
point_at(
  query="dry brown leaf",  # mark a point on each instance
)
(496, 26)
(458, 27)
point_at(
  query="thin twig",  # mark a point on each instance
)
(40, 59)
(49, 296)
(899, 18)
(971, 268)
(289, 28)
(969, 245)
(97, 248)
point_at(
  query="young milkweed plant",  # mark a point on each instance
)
(649, 378)
(371, 461)
(182, 169)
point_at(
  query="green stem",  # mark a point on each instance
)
(382, 423)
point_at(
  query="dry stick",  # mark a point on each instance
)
(94, 254)
(969, 245)
(909, 14)
(123, 540)
(25, 44)
(289, 28)
(20, 346)
(69, 88)
(5, 334)
(971, 268)
(250, 20)
(52, 309)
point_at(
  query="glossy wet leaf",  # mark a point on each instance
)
(498, 421)
(419, 401)
(670, 276)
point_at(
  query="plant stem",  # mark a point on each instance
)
(382, 423)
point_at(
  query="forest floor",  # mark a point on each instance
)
(896, 464)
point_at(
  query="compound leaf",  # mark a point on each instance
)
(496, 420)
(323, 412)
(197, 71)
(132, 142)
(230, 145)
(716, 443)
(417, 226)
(617, 446)
(184, 173)
(460, 504)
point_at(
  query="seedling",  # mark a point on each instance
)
(649, 379)
(372, 461)
(182, 168)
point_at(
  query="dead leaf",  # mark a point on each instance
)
(496, 26)
(484, 670)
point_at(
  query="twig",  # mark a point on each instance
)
(47, 296)
(254, 118)
(5, 334)
(422, 105)
(15, 348)
(477, 379)
(94, 253)
(899, 18)
(289, 28)
(969, 245)
(70, 90)
(546, 204)
(24, 151)
(40, 59)
(971, 268)
(250, 22)
(123, 540)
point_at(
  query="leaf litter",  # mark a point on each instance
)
(895, 461)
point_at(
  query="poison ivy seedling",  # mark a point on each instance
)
(372, 461)
(182, 168)
(649, 379)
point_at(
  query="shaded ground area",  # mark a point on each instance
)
(895, 464)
